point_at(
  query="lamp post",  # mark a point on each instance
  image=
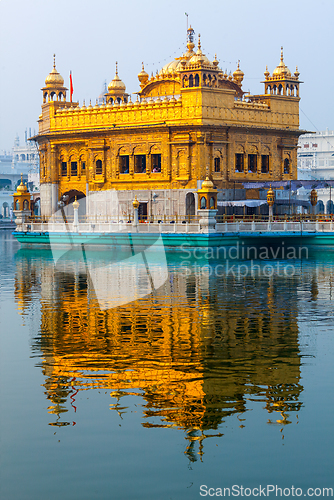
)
(270, 201)
(76, 214)
(314, 200)
(135, 204)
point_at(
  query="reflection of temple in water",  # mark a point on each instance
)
(197, 351)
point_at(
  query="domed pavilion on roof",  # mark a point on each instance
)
(189, 121)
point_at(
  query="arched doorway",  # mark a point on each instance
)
(190, 204)
(69, 198)
(5, 209)
(37, 206)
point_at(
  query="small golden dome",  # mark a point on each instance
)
(54, 78)
(199, 57)
(190, 37)
(143, 76)
(22, 188)
(207, 184)
(238, 75)
(116, 84)
(282, 69)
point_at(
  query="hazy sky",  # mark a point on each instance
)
(89, 36)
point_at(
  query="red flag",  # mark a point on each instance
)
(71, 86)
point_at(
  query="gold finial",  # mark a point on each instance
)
(76, 204)
(199, 41)
(142, 66)
(135, 203)
(282, 54)
(116, 68)
(54, 61)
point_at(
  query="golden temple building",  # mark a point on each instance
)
(190, 120)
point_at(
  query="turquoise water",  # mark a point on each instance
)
(218, 378)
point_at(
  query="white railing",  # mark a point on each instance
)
(194, 227)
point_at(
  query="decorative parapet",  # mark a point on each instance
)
(145, 111)
(251, 105)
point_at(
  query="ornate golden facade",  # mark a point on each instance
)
(189, 121)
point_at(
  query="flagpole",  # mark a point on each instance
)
(71, 86)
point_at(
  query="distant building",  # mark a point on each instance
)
(23, 159)
(315, 160)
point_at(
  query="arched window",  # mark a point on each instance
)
(196, 80)
(217, 164)
(286, 166)
(26, 205)
(98, 167)
(212, 202)
(17, 205)
(203, 202)
(320, 208)
(191, 81)
(74, 168)
(330, 207)
(83, 166)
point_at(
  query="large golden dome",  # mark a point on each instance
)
(282, 69)
(54, 78)
(171, 67)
